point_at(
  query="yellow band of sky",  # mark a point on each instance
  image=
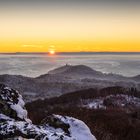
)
(69, 30)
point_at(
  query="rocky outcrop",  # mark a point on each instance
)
(14, 122)
(12, 104)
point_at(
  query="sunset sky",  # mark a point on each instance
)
(69, 25)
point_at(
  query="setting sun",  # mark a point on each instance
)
(52, 52)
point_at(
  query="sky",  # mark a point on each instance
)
(69, 25)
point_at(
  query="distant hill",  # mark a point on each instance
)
(77, 70)
(66, 79)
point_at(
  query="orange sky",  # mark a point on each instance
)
(67, 30)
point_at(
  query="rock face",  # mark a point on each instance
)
(14, 122)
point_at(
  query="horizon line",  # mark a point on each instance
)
(69, 52)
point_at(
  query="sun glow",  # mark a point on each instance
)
(51, 52)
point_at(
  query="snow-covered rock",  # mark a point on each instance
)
(12, 104)
(14, 122)
(78, 129)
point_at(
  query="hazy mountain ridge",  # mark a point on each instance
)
(66, 79)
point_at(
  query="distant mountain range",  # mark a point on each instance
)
(66, 79)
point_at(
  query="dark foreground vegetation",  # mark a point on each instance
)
(113, 123)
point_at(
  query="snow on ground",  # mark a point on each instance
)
(118, 100)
